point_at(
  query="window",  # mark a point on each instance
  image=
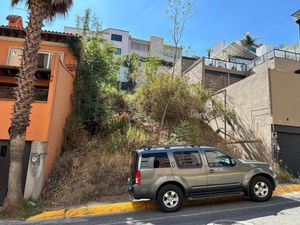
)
(118, 51)
(187, 160)
(217, 158)
(252, 49)
(44, 60)
(139, 47)
(155, 160)
(116, 37)
(170, 52)
(15, 57)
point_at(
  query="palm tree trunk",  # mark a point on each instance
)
(24, 97)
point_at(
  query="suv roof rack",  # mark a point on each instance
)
(165, 147)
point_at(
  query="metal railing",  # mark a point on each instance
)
(225, 64)
(274, 53)
(255, 62)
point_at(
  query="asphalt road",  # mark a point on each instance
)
(283, 210)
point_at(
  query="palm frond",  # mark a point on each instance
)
(15, 2)
(60, 7)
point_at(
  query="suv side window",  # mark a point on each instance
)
(188, 159)
(155, 160)
(217, 158)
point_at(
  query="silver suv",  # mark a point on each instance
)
(169, 174)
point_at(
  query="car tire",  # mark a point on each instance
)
(169, 198)
(260, 189)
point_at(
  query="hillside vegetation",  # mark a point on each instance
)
(96, 167)
(107, 124)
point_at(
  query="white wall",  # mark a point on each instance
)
(124, 45)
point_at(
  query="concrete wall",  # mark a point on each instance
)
(250, 99)
(285, 89)
(46, 152)
(61, 108)
(286, 65)
(195, 74)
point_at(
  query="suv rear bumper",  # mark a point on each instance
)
(138, 191)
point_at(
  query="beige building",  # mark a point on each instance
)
(265, 95)
(125, 44)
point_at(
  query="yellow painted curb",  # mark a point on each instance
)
(91, 210)
(108, 208)
(283, 189)
(48, 215)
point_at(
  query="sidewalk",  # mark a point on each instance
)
(100, 209)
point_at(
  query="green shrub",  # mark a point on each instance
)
(73, 129)
(132, 138)
(186, 132)
(174, 95)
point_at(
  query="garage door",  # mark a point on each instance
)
(289, 142)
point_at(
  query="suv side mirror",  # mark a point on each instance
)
(233, 162)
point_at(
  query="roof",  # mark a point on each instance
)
(234, 49)
(171, 147)
(191, 57)
(47, 35)
(13, 17)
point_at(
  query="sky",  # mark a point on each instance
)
(215, 20)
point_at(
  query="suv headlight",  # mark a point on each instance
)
(270, 168)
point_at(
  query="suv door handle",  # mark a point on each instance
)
(211, 171)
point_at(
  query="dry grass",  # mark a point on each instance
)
(87, 174)
(89, 171)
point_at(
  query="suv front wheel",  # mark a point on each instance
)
(260, 189)
(170, 198)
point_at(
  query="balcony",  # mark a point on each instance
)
(225, 64)
(12, 71)
(8, 92)
(275, 53)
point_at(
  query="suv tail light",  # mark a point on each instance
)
(138, 177)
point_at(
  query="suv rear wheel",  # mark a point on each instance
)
(260, 189)
(170, 198)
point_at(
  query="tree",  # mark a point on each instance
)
(39, 10)
(96, 74)
(248, 41)
(179, 11)
(209, 51)
(152, 64)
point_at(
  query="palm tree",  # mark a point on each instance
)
(248, 40)
(39, 10)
